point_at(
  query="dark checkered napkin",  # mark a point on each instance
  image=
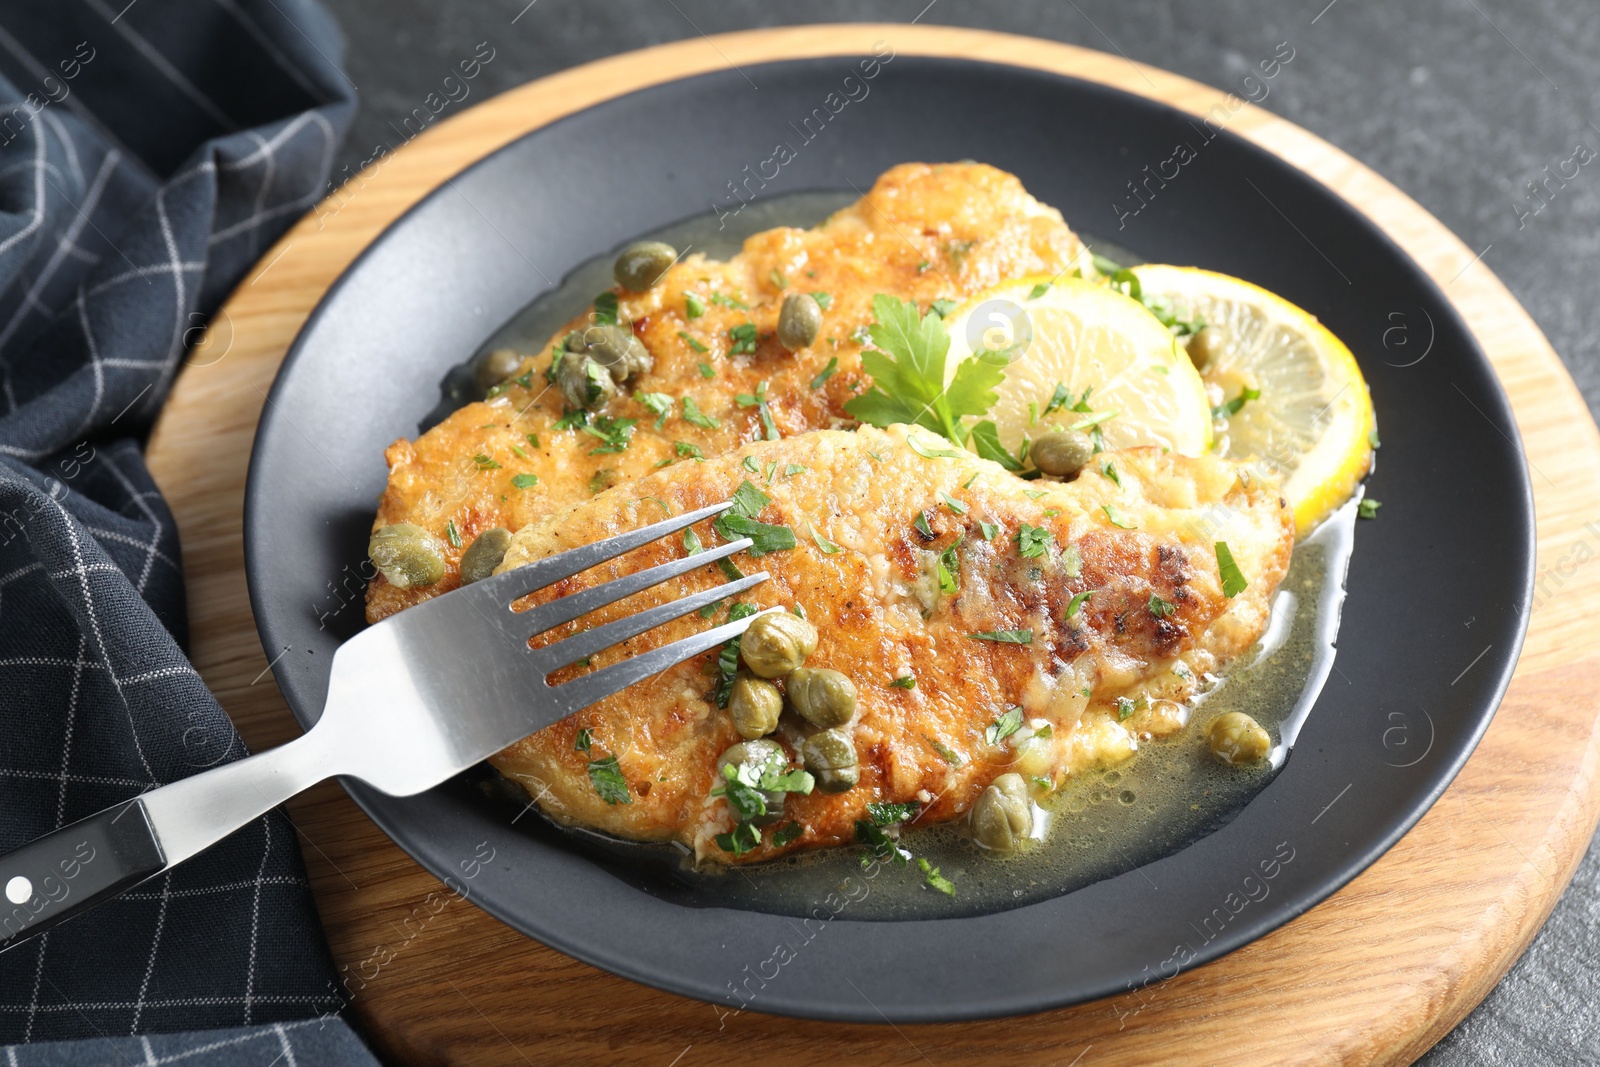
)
(149, 154)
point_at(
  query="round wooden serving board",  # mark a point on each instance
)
(1374, 975)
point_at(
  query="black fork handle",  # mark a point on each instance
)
(61, 874)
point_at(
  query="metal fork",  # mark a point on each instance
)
(412, 700)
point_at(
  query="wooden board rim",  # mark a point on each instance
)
(173, 449)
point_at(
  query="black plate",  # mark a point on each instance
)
(1438, 589)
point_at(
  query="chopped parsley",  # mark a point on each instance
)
(934, 880)
(886, 814)
(729, 302)
(942, 308)
(743, 337)
(693, 343)
(759, 402)
(905, 681)
(685, 450)
(1233, 582)
(946, 753)
(1005, 637)
(743, 838)
(608, 781)
(533, 439)
(485, 462)
(693, 414)
(824, 300)
(605, 309)
(615, 434)
(764, 537)
(778, 280)
(749, 463)
(660, 404)
(1161, 609)
(879, 844)
(1007, 724)
(1231, 408)
(1368, 508)
(1078, 600)
(727, 661)
(525, 481)
(791, 469)
(706, 371)
(748, 500)
(1071, 561)
(1061, 398)
(1038, 290)
(1033, 541)
(787, 833)
(584, 741)
(953, 504)
(1110, 471)
(989, 530)
(1372, 439)
(950, 569)
(985, 441)
(1117, 518)
(825, 373)
(920, 524)
(828, 547)
(693, 306)
(452, 533)
(907, 366)
(1126, 707)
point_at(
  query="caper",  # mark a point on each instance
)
(822, 697)
(406, 554)
(617, 350)
(776, 644)
(831, 758)
(584, 383)
(758, 755)
(643, 263)
(496, 367)
(754, 705)
(799, 321)
(1236, 738)
(1002, 818)
(1204, 346)
(1062, 452)
(484, 554)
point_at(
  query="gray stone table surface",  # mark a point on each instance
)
(1458, 102)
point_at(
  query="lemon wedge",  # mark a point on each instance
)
(1286, 390)
(1082, 355)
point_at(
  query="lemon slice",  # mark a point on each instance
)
(1312, 422)
(1067, 335)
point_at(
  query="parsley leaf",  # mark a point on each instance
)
(935, 880)
(1003, 727)
(942, 308)
(886, 814)
(525, 481)
(748, 500)
(693, 306)
(989, 530)
(1110, 471)
(787, 833)
(1233, 582)
(827, 546)
(605, 309)
(692, 343)
(706, 371)
(743, 337)
(484, 462)
(766, 536)
(607, 779)
(1038, 290)
(685, 450)
(1078, 600)
(1032, 541)
(584, 741)
(953, 504)
(1231, 408)
(1368, 508)
(742, 839)
(946, 753)
(1005, 637)
(908, 372)
(1117, 518)
(985, 441)
(659, 403)
(825, 373)
(905, 681)
(920, 524)
(693, 414)
(759, 402)
(616, 433)
(950, 569)
(452, 533)
(1161, 609)
(879, 844)
(824, 300)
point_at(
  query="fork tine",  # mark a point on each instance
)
(524, 580)
(581, 692)
(589, 642)
(556, 612)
